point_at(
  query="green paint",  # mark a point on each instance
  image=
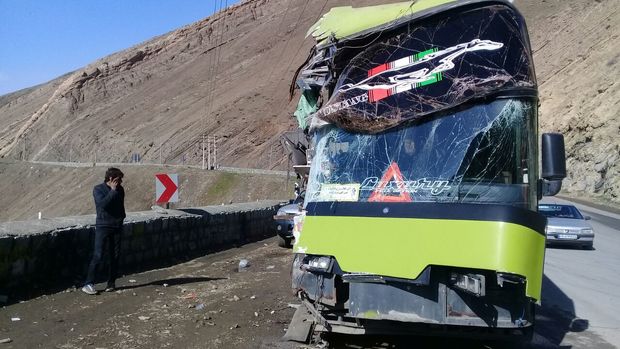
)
(403, 247)
(370, 314)
(306, 106)
(421, 55)
(433, 79)
(345, 21)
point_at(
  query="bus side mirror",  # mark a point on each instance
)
(553, 164)
(549, 188)
(553, 158)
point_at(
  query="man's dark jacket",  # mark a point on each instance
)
(110, 205)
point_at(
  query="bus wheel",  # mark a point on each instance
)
(284, 242)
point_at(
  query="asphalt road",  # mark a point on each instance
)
(207, 303)
(585, 284)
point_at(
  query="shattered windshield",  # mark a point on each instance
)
(483, 154)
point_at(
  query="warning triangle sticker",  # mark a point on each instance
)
(392, 173)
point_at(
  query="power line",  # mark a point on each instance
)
(217, 64)
(218, 54)
(218, 49)
(301, 46)
(302, 41)
(277, 34)
(212, 67)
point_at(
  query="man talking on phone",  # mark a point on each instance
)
(110, 203)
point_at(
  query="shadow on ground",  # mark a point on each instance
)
(170, 282)
(569, 247)
(555, 319)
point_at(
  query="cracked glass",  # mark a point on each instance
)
(416, 70)
(483, 154)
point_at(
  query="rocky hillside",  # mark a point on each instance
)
(577, 59)
(228, 76)
(217, 76)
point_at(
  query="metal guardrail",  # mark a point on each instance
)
(241, 170)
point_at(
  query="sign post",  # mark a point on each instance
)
(166, 188)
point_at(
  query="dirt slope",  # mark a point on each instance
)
(228, 75)
(222, 75)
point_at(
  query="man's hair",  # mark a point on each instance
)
(113, 172)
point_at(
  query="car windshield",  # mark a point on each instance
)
(560, 211)
(483, 154)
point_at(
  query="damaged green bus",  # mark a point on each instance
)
(420, 211)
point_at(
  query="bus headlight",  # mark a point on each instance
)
(317, 263)
(471, 283)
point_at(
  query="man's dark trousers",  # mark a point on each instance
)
(111, 237)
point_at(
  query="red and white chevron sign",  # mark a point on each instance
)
(166, 188)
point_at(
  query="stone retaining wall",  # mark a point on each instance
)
(53, 254)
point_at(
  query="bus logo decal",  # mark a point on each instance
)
(378, 90)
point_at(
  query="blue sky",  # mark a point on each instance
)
(43, 39)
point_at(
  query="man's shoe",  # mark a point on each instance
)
(110, 288)
(89, 289)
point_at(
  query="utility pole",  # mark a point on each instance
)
(209, 152)
(288, 172)
(96, 146)
(203, 151)
(138, 157)
(70, 150)
(215, 152)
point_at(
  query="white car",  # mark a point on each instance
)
(567, 226)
